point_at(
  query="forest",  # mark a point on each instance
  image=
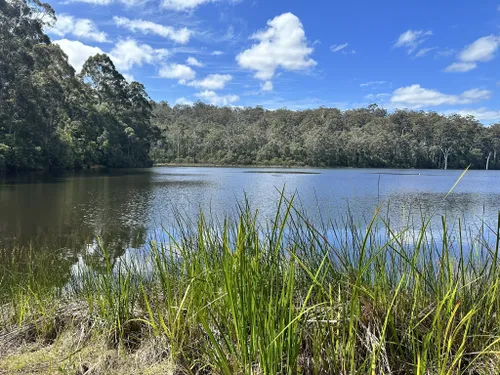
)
(323, 137)
(53, 118)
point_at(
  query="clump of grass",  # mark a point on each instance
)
(285, 297)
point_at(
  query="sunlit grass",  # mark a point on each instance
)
(281, 297)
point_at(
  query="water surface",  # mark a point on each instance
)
(126, 207)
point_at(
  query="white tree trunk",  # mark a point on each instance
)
(446, 153)
(488, 161)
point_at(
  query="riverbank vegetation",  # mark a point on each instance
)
(248, 296)
(323, 137)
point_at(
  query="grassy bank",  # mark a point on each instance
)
(243, 297)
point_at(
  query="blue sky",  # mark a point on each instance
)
(431, 55)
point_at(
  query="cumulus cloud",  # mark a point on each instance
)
(283, 44)
(125, 54)
(415, 96)
(338, 47)
(79, 27)
(217, 53)
(411, 39)
(183, 5)
(267, 86)
(128, 53)
(181, 36)
(177, 71)
(211, 82)
(481, 50)
(194, 62)
(77, 52)
(212, 98)
(461, 67)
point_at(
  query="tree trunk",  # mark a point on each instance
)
(488, 161)
(446, 153)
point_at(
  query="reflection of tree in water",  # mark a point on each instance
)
(112, 244)
(61, 217)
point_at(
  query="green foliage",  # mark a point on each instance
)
(324, 137)
(279, 297)
(52, 118)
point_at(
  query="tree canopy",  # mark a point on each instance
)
(51, 117)
(323, 137)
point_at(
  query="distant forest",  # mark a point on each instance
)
(53, 118)
(323, 137)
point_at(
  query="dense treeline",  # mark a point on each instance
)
(51, 117)
(323, 137)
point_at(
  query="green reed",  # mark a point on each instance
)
(282, 296)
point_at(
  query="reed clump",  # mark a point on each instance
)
(281, 296)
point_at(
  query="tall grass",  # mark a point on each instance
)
(285, 297)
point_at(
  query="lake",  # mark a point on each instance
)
(126, 207)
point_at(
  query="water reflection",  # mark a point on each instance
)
(66, 213)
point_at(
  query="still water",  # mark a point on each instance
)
(126, 207)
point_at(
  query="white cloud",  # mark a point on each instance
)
(182, 5)
(411, 39)
(267, 86)
(481, 114)
(483, 49)
(373, 83)
(128, 53)
(415, 96)
(283, 44)
(338, 47)
(212, 98)
(217, 53)
(211, 82)
(77, 52)
(424, 51)
(460, 67)
(378, 97)
(183, 101)
(79, 27)
(177, 71)
(129, 77)
(193, 62)
(147, 27)
(125, 54)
